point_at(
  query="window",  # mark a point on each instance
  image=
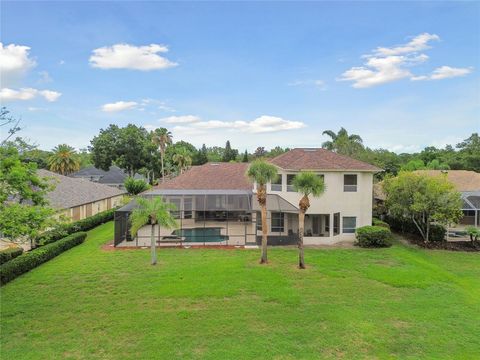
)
(259, 221)
(278, 222)
(277, 183)
(350, 183)
(469, 213)
(336, 224)
(176, 213)
(290, 178)
(349, 224)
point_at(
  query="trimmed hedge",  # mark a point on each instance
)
(9, 254)
(34, 258)
(373, 236)
(406, 226)
(378, 222)
(63, 230)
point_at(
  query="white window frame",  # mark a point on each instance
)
(350, 188)
(349, 229)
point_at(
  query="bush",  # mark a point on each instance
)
(378, 222)
(9, 254)
(34, 258)
(373, 236)
(135, 186)
(63, 230)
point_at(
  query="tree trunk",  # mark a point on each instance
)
(263, 260)
(301, 230)
(152, 245)
(163, 171)
(427, 233)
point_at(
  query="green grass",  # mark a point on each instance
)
(89, 303)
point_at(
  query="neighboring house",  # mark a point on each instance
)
(113, 177)
(79, 198)
(216, 203)
(466, 182)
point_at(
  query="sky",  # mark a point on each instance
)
(402, 75)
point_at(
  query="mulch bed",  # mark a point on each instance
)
(448, 245)
(109, 247)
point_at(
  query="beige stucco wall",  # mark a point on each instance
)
(333, 200)
(97, 207)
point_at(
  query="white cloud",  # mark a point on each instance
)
(418, 43)
(14, 62)
(262, 124)
(7, 94)
(125, 56)
(388, 64)
(183, 119)
(119, 106)
(444, 72)
(320, 84)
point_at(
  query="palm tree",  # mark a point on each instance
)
(162, 137)
(306, 183)
(342, 142)
(183, 159)
(262, 173)
(152, 211)
(63, 160)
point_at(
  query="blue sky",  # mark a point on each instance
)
(402, 75)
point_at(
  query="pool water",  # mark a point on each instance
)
(201, 234)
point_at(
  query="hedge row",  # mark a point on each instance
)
(63, 230)
(406, 226)
(9, 254)
(373, 236)
(34, 258)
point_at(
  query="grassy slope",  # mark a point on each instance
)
(220, 304)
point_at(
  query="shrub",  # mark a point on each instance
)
(473, 232)
(373, 236)
(406, 226)
(63, 230)
(135, 186)
(9, 254)
(378, 222)
(34, 258)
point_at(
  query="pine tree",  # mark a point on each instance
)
(245, 157)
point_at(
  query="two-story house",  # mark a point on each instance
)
(216, 203)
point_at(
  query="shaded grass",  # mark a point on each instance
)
(400, 302)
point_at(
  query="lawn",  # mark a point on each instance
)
(89, 303)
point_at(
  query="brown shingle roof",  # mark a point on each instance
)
(319, 159)
(463, 180)
(70, 192)
(217, 176)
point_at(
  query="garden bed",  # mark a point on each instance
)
(447, 245)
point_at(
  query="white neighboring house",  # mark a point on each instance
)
(217, 204)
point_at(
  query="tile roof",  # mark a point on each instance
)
(219, 176)
(320, 159)
(70, 192)
(463, 180)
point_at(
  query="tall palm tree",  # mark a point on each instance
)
(306, 183)
(342, 142)
(152, 211)
(162, 138)
(262, 173)
(183, 159)
(63, 160)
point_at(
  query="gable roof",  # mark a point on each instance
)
(70, 192)
(463, 180)
(114, 175)
(320, 159)
(218, 176)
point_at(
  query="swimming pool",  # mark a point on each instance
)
(210, 234)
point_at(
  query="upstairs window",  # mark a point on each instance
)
(276, 185)
(290, 178)
(350, 183)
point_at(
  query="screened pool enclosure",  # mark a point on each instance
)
(207, 217)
